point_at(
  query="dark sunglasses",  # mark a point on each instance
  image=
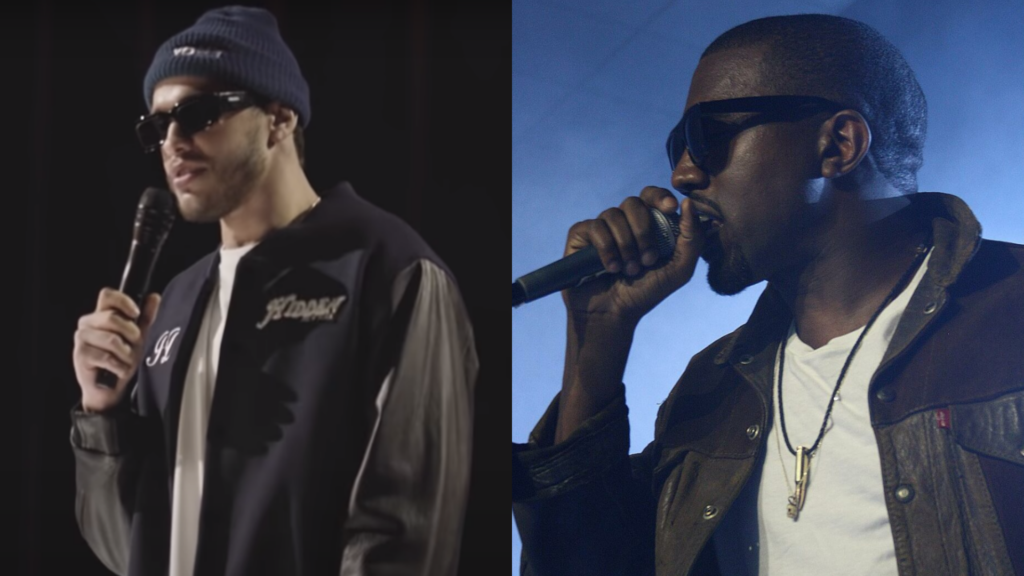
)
(697, 131)
(193, 114)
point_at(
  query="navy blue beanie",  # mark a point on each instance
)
(239, 45)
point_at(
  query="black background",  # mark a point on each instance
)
(409, 104)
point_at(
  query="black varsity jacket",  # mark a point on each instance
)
(339, 432)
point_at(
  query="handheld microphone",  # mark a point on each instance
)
(585, 265)
(153, 220)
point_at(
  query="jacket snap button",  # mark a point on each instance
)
(885, 394)
(710, 512)
(929, 308)
(904, 493)
(746, 359)
(753, 431)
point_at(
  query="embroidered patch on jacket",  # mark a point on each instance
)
(311, 310)
(162, 348)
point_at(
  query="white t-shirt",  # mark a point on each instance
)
(843, 527)
(195, 410)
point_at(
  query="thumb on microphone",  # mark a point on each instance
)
(689, 243)
(149, 311)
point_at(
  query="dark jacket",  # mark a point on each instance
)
(955, 495)
(340, 428)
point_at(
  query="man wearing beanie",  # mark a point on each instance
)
(297, 402)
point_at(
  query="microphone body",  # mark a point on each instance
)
(585, 265)
(153, 220)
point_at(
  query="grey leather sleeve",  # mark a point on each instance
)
(104, 463)
(408, 503)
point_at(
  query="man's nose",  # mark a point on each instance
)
(687, 176)
(176, 139)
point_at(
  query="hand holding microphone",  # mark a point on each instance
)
(604, 309)
(619, 272)
(108, 342)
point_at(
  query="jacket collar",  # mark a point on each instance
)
(302, 240)
(956, 237)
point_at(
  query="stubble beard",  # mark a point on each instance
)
(232, 180)
(728, 269)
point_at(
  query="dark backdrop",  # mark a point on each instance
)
(408, 104)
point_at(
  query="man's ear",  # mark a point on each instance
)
(844, 142)
(283, 121)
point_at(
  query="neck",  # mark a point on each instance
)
(841, 286)
(282, 196)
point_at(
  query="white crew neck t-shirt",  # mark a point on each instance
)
(195, 410)
(843, 527)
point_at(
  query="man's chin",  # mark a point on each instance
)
(195, 212)
(729, 280)
(726, 287)
(198, 218)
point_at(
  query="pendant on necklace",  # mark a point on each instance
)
(803, 470)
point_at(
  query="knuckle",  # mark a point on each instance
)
(632, 202)
(87, 338)
(660, 199)
(90, 321)
(650, 193)
(600, 237)
(106, 298)
(118, 320)
(641, 219)
(623, 231)
(114, 341)
(581, 229)
(115, 361)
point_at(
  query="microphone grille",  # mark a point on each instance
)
(666, 231)
(155, 215)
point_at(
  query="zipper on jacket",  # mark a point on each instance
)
(965, 528)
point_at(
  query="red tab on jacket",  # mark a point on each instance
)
(942, 418)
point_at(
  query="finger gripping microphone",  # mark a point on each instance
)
(153, 220)
(585, 265)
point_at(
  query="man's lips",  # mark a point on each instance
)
(185, 174)
(709, 220)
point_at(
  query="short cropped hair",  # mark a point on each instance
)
(849, 62)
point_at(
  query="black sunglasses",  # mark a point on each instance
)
(696, 131)
(193, 114)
